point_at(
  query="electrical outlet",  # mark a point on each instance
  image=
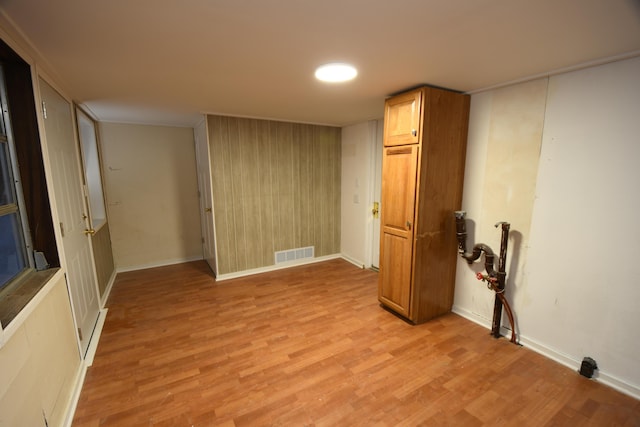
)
(588, 367)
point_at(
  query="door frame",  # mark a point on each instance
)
(84, 345)
(203, 166)
(376, 130)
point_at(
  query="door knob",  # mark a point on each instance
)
(207, 210)
(89, 232)
(376, 209)
(408, 225)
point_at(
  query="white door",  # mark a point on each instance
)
(377, 185)
(72, 211)
(204, 187)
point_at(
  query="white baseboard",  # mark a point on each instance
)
(353, 261)
(158, 264)
(227, 276)
(84, 365)
(95, 337)
(107, 290)
(570, 362)
(475, 318)
(75, 396)
(302, 261)
(563, 359)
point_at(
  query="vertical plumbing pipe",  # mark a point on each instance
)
(501, 276)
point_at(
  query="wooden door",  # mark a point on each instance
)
(72, 212)
(399, 173)
(402, 119)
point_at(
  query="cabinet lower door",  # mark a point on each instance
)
(394, 288)
(399, 173)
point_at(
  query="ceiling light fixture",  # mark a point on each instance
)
(336, 72)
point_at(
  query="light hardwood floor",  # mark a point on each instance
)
(310, 346)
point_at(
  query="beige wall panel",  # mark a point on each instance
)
(40, 363)
(221, 181)
(276, 187)
(152, 194)
(319, 200)
(54, 352)
(273, 163)
(252, 198)
(304, 198)
(326, 201)
(503, 154)
(336, 187)
(235, 195)
(297, 135)
(284, 185)
(515, 138)
(266, 209)
(20, 402)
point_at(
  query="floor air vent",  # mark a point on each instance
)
(294, 254)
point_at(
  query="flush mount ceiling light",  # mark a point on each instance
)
(336, 72)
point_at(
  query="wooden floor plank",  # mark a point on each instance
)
(310, 346)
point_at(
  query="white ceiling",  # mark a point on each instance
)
(166, 61)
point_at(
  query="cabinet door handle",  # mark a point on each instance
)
(408, 225)
(414, 132)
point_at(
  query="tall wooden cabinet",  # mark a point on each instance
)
(425, 135)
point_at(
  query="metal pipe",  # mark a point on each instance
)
(501, 276)
(461, 234)
(496, 279)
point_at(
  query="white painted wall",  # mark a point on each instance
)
(41, 370)
(572, 250)
(152, 194)
(582, 296)
(357, 180)
(505, 134)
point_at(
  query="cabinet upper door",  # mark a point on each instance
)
(402, 119)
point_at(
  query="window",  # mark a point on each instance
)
(91, 161)
(27, 235)
(14, 236)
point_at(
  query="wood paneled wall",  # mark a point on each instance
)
(276, 186)
(103, 255)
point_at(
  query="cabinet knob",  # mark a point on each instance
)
(414, 132)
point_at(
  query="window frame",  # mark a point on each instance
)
(22, 244)
(89, 144)
(37, 214)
